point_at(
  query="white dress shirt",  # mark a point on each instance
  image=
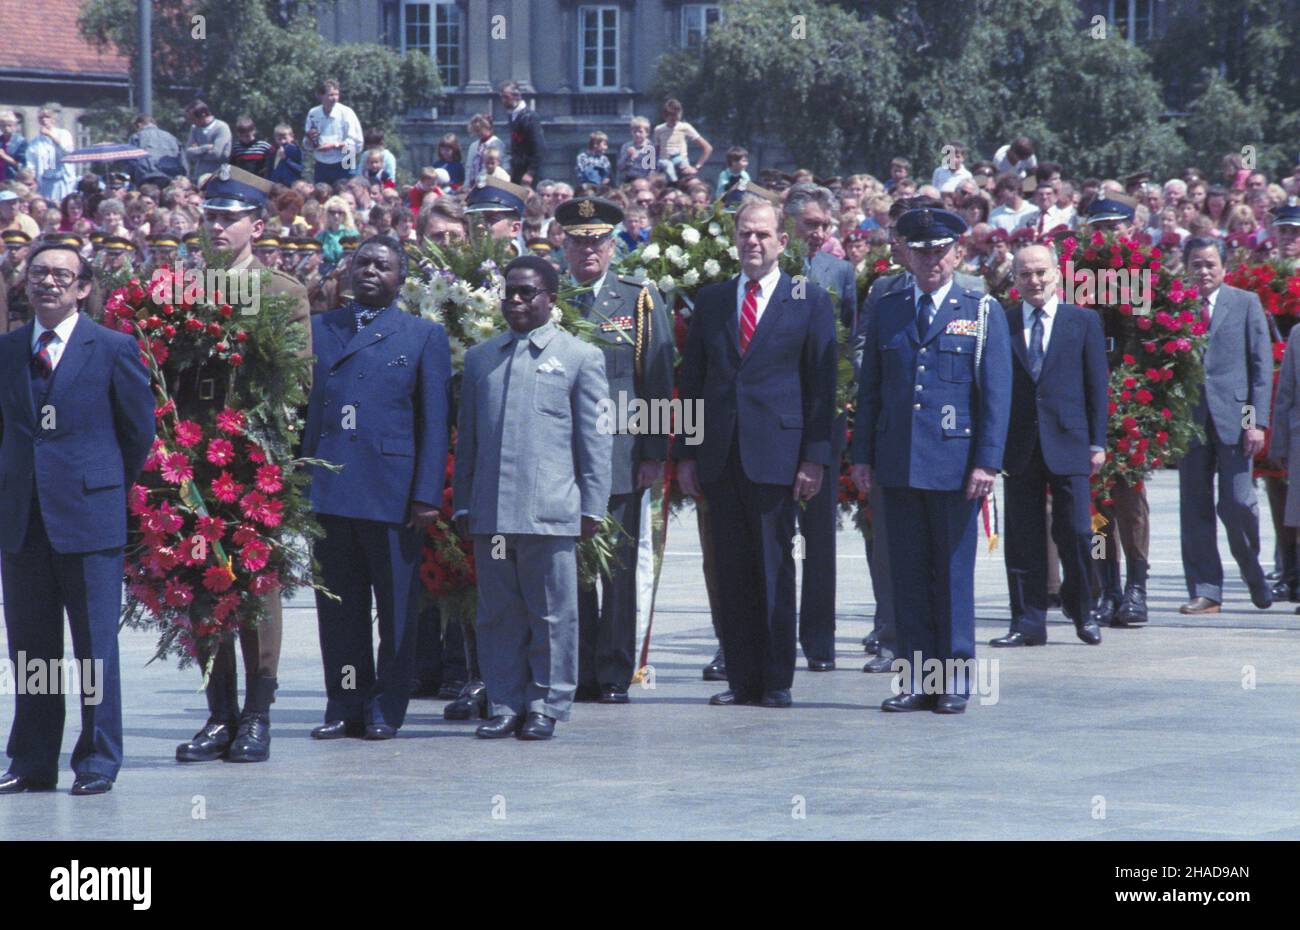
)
(339, 125)
(62, 333)
(1213, 298)
(937, 296)
(766, 288)
(1049, 314)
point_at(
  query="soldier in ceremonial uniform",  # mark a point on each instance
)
(934, 402)
(1129, 515)
(497, 209)
(193, 243)
(233, 205)
(14, 307)
(637, 341)
(164, 250)
(115, 254)
(267, 250)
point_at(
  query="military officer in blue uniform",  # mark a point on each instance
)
(497, 209)
(636, 338)
(934, 402)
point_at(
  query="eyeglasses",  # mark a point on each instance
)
(525, 292)
(62, 277)
(338, 212)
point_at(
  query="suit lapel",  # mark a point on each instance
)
(1016, 321)
(75, 354)
(731, 320)
(379, 329)
(771, 313)
(1223, 306)
(1062, 329)
(20, 381)
(943, 315)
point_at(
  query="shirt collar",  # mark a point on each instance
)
(938, 296)
(1213, 297)
(538, 337)
(766, 284)
(63, 330)
(1049, 309)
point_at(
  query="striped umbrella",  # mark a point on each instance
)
(105, 151)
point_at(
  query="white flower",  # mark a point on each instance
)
(651, 252)
(690, 235)
(459, 293)
(666, 283)
(715, 229)
(734, 253)
(485, 325)
(722, 241)
(712, 268)
(557, 315)
(691, 278)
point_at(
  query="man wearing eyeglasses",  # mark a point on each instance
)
(77, 423)
(532, 475)
(636, 338)
(233, 204)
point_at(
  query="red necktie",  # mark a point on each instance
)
(1205, 310)
(748, 315)
(42, 363)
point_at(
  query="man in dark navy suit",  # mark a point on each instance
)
(761, 361)
(1058, 403)
(77, 417)
(934, 402)
(379, 408)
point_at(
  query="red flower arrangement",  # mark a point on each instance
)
(447, 562)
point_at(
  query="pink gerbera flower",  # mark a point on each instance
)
(221, 452)
(176, 468)
(231, 421)
(266, 583)
(269, 479)
(210, 528)
(177, 593)
(255, 555)
(188, 433)
(226, 489)
(217, 579)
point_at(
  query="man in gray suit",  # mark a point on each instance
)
(637, 341)
(532, 474)
(1233, 410)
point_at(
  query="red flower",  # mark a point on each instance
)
(210, 528)
(1162, 437)
(266, 583)
(177, 593)
(221, 452)
(176, 468)
(137, 499)
(269, 479)
(244, 534)
(231, 421)
(1144, 397)
(1166, 414)
(255, 555)
(217, 579)
(226, 489)
(226, 605)
(255, 454)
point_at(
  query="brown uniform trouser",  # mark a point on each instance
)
(260, 646)
(1128, 517)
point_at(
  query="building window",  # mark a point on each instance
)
(435, 29)
(697, 18)
(598, 47)
(1132, 19)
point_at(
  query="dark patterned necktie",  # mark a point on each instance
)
(42, 364)
(366, 315)
(1036, 344)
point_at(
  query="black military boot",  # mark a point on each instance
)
(472, 701)
(253, 739)
(212, 742)
(1287, 587)
(1109, 602)
(1133, 609)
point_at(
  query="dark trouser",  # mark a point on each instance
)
(933, 564)
(1238, 509)
(752, 534)
(328, 174)
(607, 631)
(357, 557)
(439, 649)
(1284, 536)
(1127, 527)
(39, 585)
(882, 583)
(704, 526)
(1027, 557)
(817, 599)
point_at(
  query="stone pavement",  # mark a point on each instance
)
(1149, 736)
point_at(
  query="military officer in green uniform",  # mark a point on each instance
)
(636, 338)
(14, 309)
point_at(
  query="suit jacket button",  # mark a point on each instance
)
(916, 406)
(361, 374)
(923, 351)
(333, 373)
(918, 387)
(353, 437)
(967, 431)
(920, 368)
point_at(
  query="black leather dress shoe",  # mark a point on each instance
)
(1286, 591)
(17, 784)
(871, 644)
(537, 727)
(252, 739)
(950, 704)
(338, 729)
(499, 727)
(610, 694)
(821, 665)
(380, 731)
(1089, 631)
(728, 698)
(717, 669)
(1106, 609)
(1262, 597)
(905, 703)
(209, 744)
(1017, 639)
(878, 664)
(586, 694)
(780, 698)
(450, 690)
(92, 784)
(470, 703)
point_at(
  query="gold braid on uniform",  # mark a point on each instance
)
(644, 325)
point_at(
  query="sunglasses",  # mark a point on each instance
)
(525, 292)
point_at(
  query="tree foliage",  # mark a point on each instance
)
(261, 58)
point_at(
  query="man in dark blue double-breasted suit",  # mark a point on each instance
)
(933, 407)
(379, 408)
(77, 419)
(1058, 403)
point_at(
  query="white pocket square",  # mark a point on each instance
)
(552, 364)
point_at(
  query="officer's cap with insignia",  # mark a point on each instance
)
(193, 237)
(308, 244)
(96, 238)
(496, 196)
(15, 237)
(1287, 215)
(588, 216)
(65, 238)
(235, 190)
(349, 243)
(266, 242)
(164, 241)
(1105, 209)
(117, 244)
(930, 228)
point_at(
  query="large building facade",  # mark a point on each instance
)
(583, 66)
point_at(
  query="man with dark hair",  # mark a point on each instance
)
(527, 142)
(249, 152)
(532, 475)
(379, 408)
(1233, 409)
(208, 145)
(164, 160)
(333, 135)
(77, 426)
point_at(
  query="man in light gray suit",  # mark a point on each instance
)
(1233, 410)
(532, 475)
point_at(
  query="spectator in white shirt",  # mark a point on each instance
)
(1013, 211)
(953, 170)
(1016, 157)
(333, 135)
